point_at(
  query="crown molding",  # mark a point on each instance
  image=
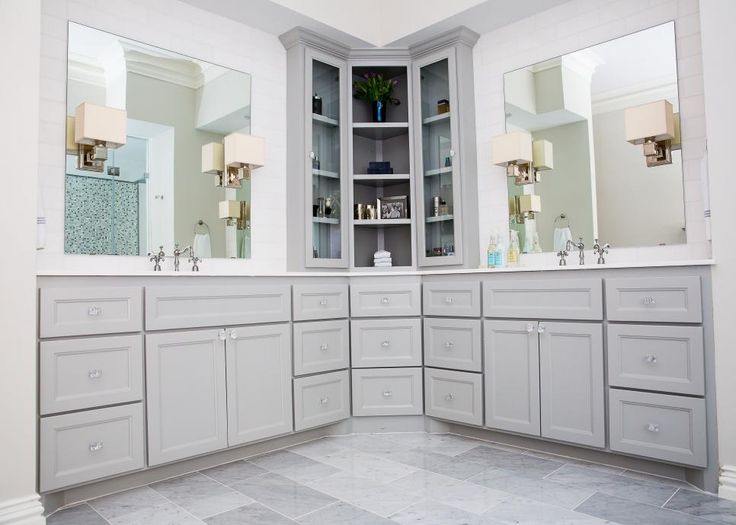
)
(301, 35)
(617, 99)
(458, 36)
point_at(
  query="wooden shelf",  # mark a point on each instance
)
(327, 121)
(436, 118)
(325, 220)
(325, 173)
(382, 222)
(380, 130)
(441, 218)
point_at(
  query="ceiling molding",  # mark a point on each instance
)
(85, 70)
(618, 99)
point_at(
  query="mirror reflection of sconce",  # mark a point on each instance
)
(233, 160)
(656, 128)
(95, 130)
(522, 157)
(236, 213)
(525, 207)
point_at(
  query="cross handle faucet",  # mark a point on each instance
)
(569, 245)
(195, 262)
(157, 258)
(601, 250)
(562, 254)
(178, 253)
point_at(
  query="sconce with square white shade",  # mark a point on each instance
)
(522, 157)
(97, 129)
(526, 207)
(213, 162)
(235, 213)
(652, 126)
(542, 153)
(243, 153)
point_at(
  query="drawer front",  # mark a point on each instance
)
(90, 311)
(661, 299)
(322, 301)
(455, 396)
(386, 342)
(321, 399)
(655, 357)
(461, 299)
(84, 446)
(387, 392)
(377, 300)
(580, 299)
(658, 426)
(87, 373)
(453, 343)
(199, 306)
(321, 346)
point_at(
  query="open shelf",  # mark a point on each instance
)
(325, 220)
(380, 130)
(382, 222)
(381, 180)
(441, 218)
(325, 173)
(438, 171)
(327, 121)
(440, 117)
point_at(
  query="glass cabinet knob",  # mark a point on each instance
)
(323, 302)
(530, 328)
(222, 335)
(449, 345)
(387, 393)
(94, 311)
(312, 155)
(385, 344)
(94, 373)
(324, 347)
(649, 300)
(233, 334)
(450, 396)
(652, 427)
(324, 401)
(650, 358)
(541, 328)
(385, 300)
(95, 446)
(449, 300)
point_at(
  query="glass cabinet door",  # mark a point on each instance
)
(326, 233)
(439, 186)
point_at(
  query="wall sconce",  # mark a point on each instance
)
(653, 126)
(525, 207)
(236, 213)
(213, 162)
(522, 157)
(97, 129)
(243, 153)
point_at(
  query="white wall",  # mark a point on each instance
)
(177, 26)
(19, 30)
(566, 28)
(719, 43)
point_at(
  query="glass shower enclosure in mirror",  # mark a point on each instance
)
(151, 191)
(600, 185)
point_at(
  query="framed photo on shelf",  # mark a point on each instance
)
(392, 207)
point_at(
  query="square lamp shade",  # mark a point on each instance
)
(514, 147)
(530, 203)
(95, 124)
(229, 209)
(244, 151)
(655, 121)
(71, 146)
(213, 160)
(542, 153)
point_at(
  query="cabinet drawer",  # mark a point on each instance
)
(386, 342)
(321, 346)
(323, 301)
(453, 343)
(86, 373)
(652, 357)
(580, 299)
(321, 399)
(658, 426)
(84, 446)
(461, 299)
(387, 392)
(198, 306)
(660, 299)
(455, 396)
(379, 300)
(90, 311)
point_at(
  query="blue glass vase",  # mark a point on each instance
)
(379, 111)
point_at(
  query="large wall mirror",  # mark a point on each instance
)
(151, 191)
(600, 184)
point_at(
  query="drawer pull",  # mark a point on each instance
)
(222, 335)
(651, 427)
(387, 393)
(530, 328)
(449, 300)
(95, 446)
(324, 347)
(541, 328)
(323, 302)
(385, 300)
(324, 401)
(650, 358)
(450, 396)
(94, 373)
(233, 334)
(94, 311)
(449, 345)
(649, 300)
(386, 343)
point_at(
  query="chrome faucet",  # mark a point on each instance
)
(562, 254)
(600, 250)
(157, 258)
(569, 245)
(178, 253)
(195, 261)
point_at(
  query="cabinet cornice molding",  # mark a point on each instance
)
(461, 35)
(301, 35)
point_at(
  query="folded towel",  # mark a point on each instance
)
(383, 265)
(382, 259)
(381, 253)
(562, 235)
(201, 245)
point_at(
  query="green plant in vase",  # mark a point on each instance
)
(377, 91)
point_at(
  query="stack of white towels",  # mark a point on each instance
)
(382, 258)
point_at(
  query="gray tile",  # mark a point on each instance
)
(255, 514)
(703, 505)
(342, 512)
(575, 461)
(455, 467)
(283, 495)
(78, 515)
(447, 444)
(429, 512)
(199, 495)
(168, 514)
(368, 465)
(658, 479)
(294, 466)
(536, 489)
(135, 500)
(523, 464)
(526, 512)
(318, 448)
(230, 473)
(650, 492)
(627, 512)
(369, 443)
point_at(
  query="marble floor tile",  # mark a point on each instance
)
(294, 466)
(342, 513)
(254, 514)
(141, 499)
(704, 505)
(523, 464)
(454, 467)
(523, 511)
(651, 492)
(168, 514)
(429, 512)
(283, 495)
(447, 444)
(367, 494)
(77, 515)
(234, 472)
(627, 512)
(537, 489)
(199, 495)
(318, 448)
(574, 461)
(367, 465)
(642, 476)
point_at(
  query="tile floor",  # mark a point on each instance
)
(442, 479)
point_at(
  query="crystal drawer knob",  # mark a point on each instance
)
(222, 335)
(450, 396)
(95, 446)
(651, 359)
(530, 328)
(312, 155)
(323, 302)
(324, 401)
(94, 373)
(385, 344)
(385, 300)
(449, 345)
(651, 427)
(387, 393)
(324, 347)
(449, 300)
(94, 311)
(541, 328)
(233, 334)
(649, 300)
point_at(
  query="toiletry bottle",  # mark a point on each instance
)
(491, 252)
(512, 257)
(500, 257)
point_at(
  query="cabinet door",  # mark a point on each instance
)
(512, 375)
(258, 382)
(185, 388)
(326, 191)
(440, 232)
(571, 382)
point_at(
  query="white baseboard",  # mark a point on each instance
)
(727, 482)
(22, 511)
